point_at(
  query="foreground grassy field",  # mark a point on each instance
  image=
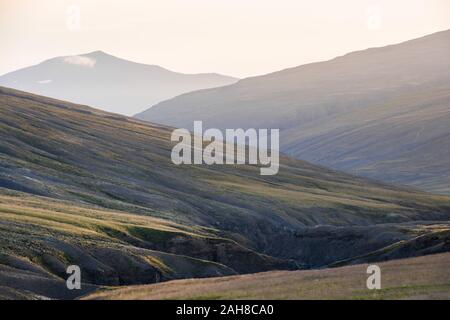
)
(425, 277)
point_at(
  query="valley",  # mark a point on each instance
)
(413, 279)
(83, 186)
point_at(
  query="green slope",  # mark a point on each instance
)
(381, 113)
(128, 205)
(405, 140)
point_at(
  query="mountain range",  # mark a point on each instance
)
(422, 278)
(382, 113)
(82, 186)
(113, 84)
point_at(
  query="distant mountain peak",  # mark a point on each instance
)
(101, 79)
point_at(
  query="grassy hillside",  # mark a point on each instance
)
(416, 278)
(40, 237)
(381, 113)
(78, 185)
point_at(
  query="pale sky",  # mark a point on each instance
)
(234, 37)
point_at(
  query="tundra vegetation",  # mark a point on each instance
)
(79, 186)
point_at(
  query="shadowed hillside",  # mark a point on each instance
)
(381, 113)
(99, 190)
(418, 278)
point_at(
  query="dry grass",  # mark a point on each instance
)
(425, 277)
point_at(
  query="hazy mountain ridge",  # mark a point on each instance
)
(343, 113)
(415, 278)
(111, 83)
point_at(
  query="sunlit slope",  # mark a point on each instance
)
(414, 278)
(208, 219)
(381, 113)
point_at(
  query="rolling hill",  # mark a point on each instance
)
(382, 113)
(83, 186)
(111, 83)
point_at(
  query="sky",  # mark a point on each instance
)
(234, 37)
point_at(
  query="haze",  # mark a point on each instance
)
(237, 38)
